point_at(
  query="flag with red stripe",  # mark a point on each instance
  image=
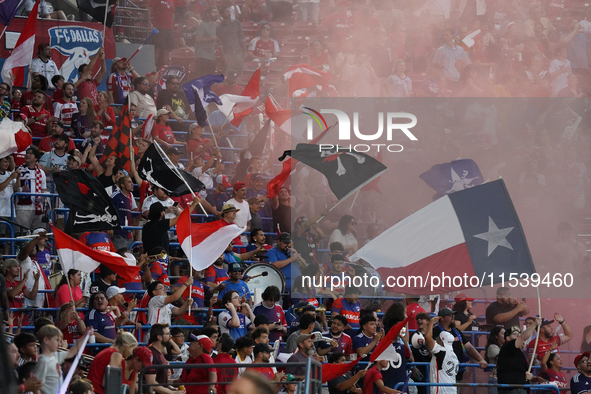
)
(74, 254)
(204, 243)
(281, 117)
(13, 70)
(251, 90)
(300, 77)
(118, 143)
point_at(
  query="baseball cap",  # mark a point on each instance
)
(75, 158)
(59, 123)
(40, 229)
(301, 338)
(173, 151)
(447, 338)
(257, 177)
(112, 291)
(105, 271)
(234, 267)
(223, 180)
(285, 238)
(445, 312)
(162, 111)
(229, 207)
(463, 297)
(290, 378)
(239, 185)
(546, 322)
(124, 171)
(580, 356)
(261, 347)
(204, 341)
(144, 354)
(116, 59)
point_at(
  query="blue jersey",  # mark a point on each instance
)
(396, 371)
(216, 275)
(44, 260)
(289, 271)
(241, 287)
(124, 206)
(102, 322)
(235, 332)
(580, 383)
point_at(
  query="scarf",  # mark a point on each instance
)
(120, 90)
(38, 180)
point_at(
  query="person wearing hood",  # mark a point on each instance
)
(444, 364)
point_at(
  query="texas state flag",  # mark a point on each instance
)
(472, 232)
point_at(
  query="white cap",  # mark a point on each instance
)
(447, 339)
(39, 230)
(113, 291)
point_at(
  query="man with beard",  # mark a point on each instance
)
(37, 83)
(420, 351)
(119, 82)
(505, 310)
(101, 318)
(258, 238)
(66, 106)
(305, 350)
(144, 103)
(580, 383)
(43, 65)
(47, 143)
(36, 116)
(159, 339)
(547, 337)
(29, 210)
(262, 355)
(337, 332)
(174, 100)
(282, 257)
(216, 273)
(57, 159)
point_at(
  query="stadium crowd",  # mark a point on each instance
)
(170, 313)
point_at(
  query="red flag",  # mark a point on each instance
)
(252, 90)
(302, 76)
(13, 70)
(118, 143)
(74, 254)
(332, 371)
(281, 117)
(388, 339)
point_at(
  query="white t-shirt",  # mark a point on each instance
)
(444, 369)
(247, 360)
(242, 216)
(166, 203)
(48, 70)
(51, 159)
(33, 267)
(337, 236)
(560, 82)
(6, 194)
(397, 87)
(158, 311)
(48, 370)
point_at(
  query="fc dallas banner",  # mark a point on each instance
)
(91, 208)
(345, 171)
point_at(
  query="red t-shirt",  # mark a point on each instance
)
(193, 145)
(372, 376)
(89, 89)
(543, 346)
(27, 99)
(110, 112)
(97, 368)
(557, 377)
(39, 128)
(198, 374)
(265, 371)
(18, 301)
(71, 331)
(416, 308)
(163, 132)
(162, 14)
(57, 94)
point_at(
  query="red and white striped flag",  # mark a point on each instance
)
(148, 126)
(300, 77)
(14, 137)
(13, 71)
(74, 254)
(203, 243)
(252, 91)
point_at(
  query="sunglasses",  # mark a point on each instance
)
(146, 84)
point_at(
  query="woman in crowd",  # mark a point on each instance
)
(346, 234)
(319, 57)
(464, 319)
(235, 323)
(104, 111)
(496, 339)
(114, 356)
(162, 133)
(198, 146)
(62, 293)
(70, 322)
(552, 364)
(82, 120)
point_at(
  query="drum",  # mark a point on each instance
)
(274, 277)
(55, 279)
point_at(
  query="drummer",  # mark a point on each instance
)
(281, 256)
(235, 283)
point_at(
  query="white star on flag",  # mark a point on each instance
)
(495, 236)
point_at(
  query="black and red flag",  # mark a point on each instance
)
(96, 9)
(345, 171)
(91, 208)
(118, 143)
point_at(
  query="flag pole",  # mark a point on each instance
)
(533, 356)
(355, 199)
(68, 282)
(177, 173)
(105, 21)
